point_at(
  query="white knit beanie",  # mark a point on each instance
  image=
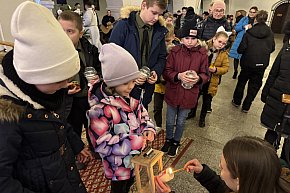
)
(43, 53)
(118, 65)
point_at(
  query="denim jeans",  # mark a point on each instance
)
(178, 116)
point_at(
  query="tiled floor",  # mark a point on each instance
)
(224, 123)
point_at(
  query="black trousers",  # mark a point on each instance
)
(236, 64)
(206, 101)
(122, 186)
(254, 80)
(158, 106)
(77, 117)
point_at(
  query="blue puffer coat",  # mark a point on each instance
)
(240, 33)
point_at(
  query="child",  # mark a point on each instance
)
(119, 124)
(142, 33)
(184, 58)
(71, 23)
(218, 66)
(38, 146)
(159, 91)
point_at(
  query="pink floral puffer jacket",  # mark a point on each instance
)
(116, 129)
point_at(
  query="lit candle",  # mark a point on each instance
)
(166, 175)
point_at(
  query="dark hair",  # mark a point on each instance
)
(189, 11)
(184, 8)
(89, 3)
(178, 11)
(77, 4)
(206, 13)
(255, 163)
(262, 16)
(73, 17)
(162, 4)
(254, 7)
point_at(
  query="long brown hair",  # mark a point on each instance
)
(256, 164)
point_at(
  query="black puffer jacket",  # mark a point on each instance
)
(37, 146)
(256, 46)
(207, 28)
(278, 83)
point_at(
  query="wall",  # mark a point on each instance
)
(6, 11)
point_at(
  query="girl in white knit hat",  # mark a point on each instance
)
(37, 146)
(119, 123)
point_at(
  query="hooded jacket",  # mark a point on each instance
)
(256, 46)
(181, 59)
(116, 129)
(126, 35)
(276, 85)
(37, 146)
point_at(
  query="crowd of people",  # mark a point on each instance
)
(46, 99)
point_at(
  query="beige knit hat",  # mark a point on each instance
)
(43, 53)
(118, 65)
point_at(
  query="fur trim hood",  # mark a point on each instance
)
(125, 13)
(9, 110)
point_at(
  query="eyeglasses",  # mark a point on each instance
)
(219, 10)
(252, 11)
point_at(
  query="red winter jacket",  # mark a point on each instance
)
(179, 60)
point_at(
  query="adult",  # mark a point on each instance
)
(241, 27)
(256, 46)
(276, 85)
(107, 25)
(180, 19)
(142, 33)
(207, 28)
(91, 25)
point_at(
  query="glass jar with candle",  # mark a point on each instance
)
(90, 74)
(190, 74)
(145, 72)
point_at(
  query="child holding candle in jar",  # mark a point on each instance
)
(119, 123)
(218, 65)
(187, 64)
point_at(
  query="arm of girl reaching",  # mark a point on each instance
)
(221, 70)
(147, 125)
(10, 145)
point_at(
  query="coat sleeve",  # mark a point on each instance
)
(118, 34)
(221, 70)
(203, 70)
(74, 140)
(87, 18)
(240, 25)
(243, 45)
(210, 180)
(10, 145)
(161, 61)
(274, 72)
(169, 73)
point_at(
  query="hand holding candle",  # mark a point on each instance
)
(193, 165)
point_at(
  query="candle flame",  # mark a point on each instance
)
(170, 171)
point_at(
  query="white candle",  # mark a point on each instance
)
(166, 175)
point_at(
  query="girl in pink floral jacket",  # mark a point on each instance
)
(119, 124)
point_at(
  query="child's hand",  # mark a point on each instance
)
(193, 165)
(184, 77)
(148, 135)
(141, 80)
(73, 88)
(161, 187)
(85, 155)
(153, 78)
(212, 69)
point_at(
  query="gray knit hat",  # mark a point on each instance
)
(118, 65)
